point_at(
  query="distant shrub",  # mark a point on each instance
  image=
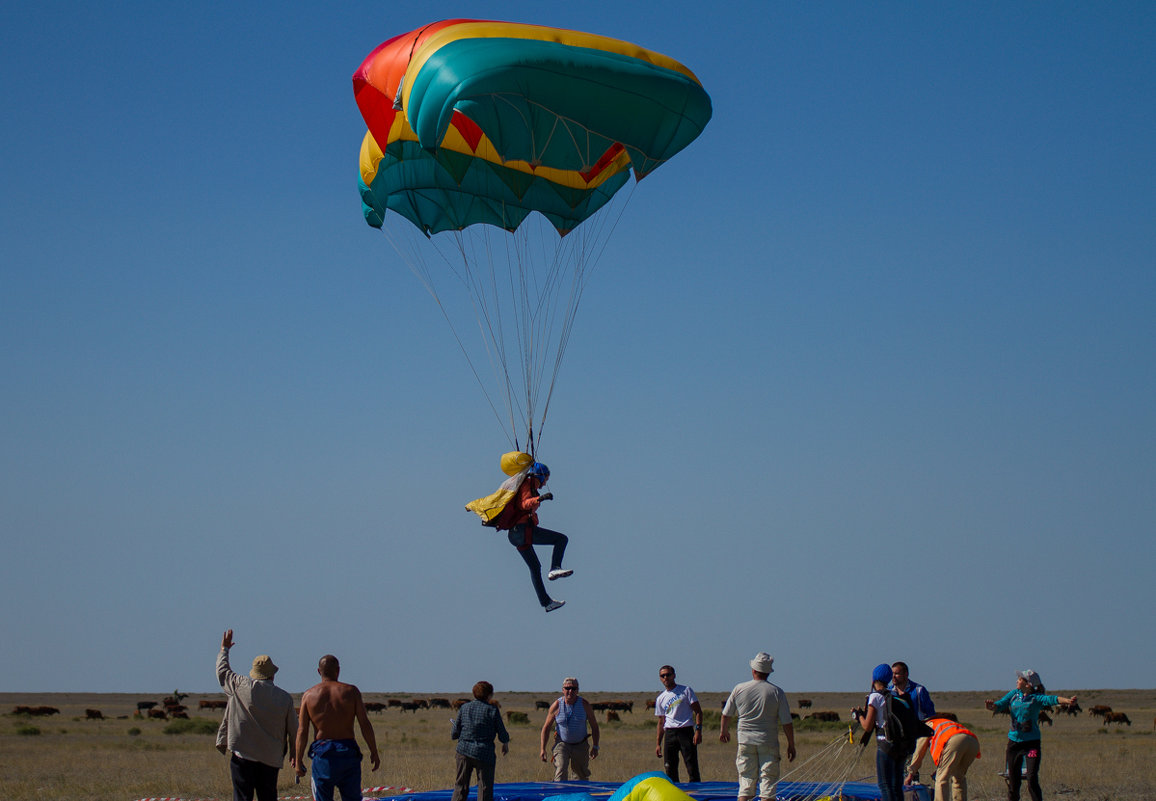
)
(134, 732)
(191, 726)
(27, 731)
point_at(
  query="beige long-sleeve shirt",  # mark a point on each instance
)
(259, 723)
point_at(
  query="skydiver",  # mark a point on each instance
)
(520, 518)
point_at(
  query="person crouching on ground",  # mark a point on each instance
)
(953, 748)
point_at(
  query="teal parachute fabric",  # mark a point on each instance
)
(445, 191)
(554, 104)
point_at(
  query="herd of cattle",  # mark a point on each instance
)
(171, 707)
(1099, 711)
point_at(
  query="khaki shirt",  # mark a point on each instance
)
(259, 723)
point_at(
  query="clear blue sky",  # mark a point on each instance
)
(866, 374)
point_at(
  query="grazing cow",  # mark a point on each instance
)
(650, 703)
(458, 703)
(439, 703)
(546, 705)
(175, 709)
(393, 702)
(826, 716)
(45, 711)
(1070, 709)
(21, 710)
(93, 714)
(374, 706)
(1116, 717)
(517, 717)
(206, 704)
(1099, 711)
(804, 703)
(159, 714)
(612, 716)
(180, 714)
(410, 706)
(1044, 717)
(144, 706)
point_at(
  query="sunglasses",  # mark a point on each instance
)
(569, 689)
(666, 675)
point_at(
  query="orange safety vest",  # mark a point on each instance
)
(944, 730)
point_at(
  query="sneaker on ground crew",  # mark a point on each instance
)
(550, 607)
(559, 573)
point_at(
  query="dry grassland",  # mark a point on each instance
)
(104, 760)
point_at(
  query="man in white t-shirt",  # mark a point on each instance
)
(760, 708)
(679, 726)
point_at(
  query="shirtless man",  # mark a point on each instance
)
(331, 707)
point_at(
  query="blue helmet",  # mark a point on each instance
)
(540, 472)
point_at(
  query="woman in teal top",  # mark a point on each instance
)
(1024, 704)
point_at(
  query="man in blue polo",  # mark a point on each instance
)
(920, 698)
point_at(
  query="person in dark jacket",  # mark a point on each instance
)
(475, 728)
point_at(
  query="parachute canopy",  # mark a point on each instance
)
(483, 122)
(474, 126)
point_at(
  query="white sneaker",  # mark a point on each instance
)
(550, 607)
(559, 573)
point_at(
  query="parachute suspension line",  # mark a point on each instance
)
(525, 309)
(541, 298)
(420, 268)
(587, 262)
(828, 770)
(489, 319)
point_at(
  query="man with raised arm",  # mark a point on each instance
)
(258, 727)
(331, 708)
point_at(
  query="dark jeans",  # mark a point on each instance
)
(542, 536)
(251, 777)
(889, 773)
(467, 765)
(1017, 755)
(675, 741)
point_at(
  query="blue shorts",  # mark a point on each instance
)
(336, 764)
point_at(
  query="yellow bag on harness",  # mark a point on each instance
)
(515, 464)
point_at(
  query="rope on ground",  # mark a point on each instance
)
(829, 769)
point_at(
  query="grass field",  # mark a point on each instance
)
(121, 758)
